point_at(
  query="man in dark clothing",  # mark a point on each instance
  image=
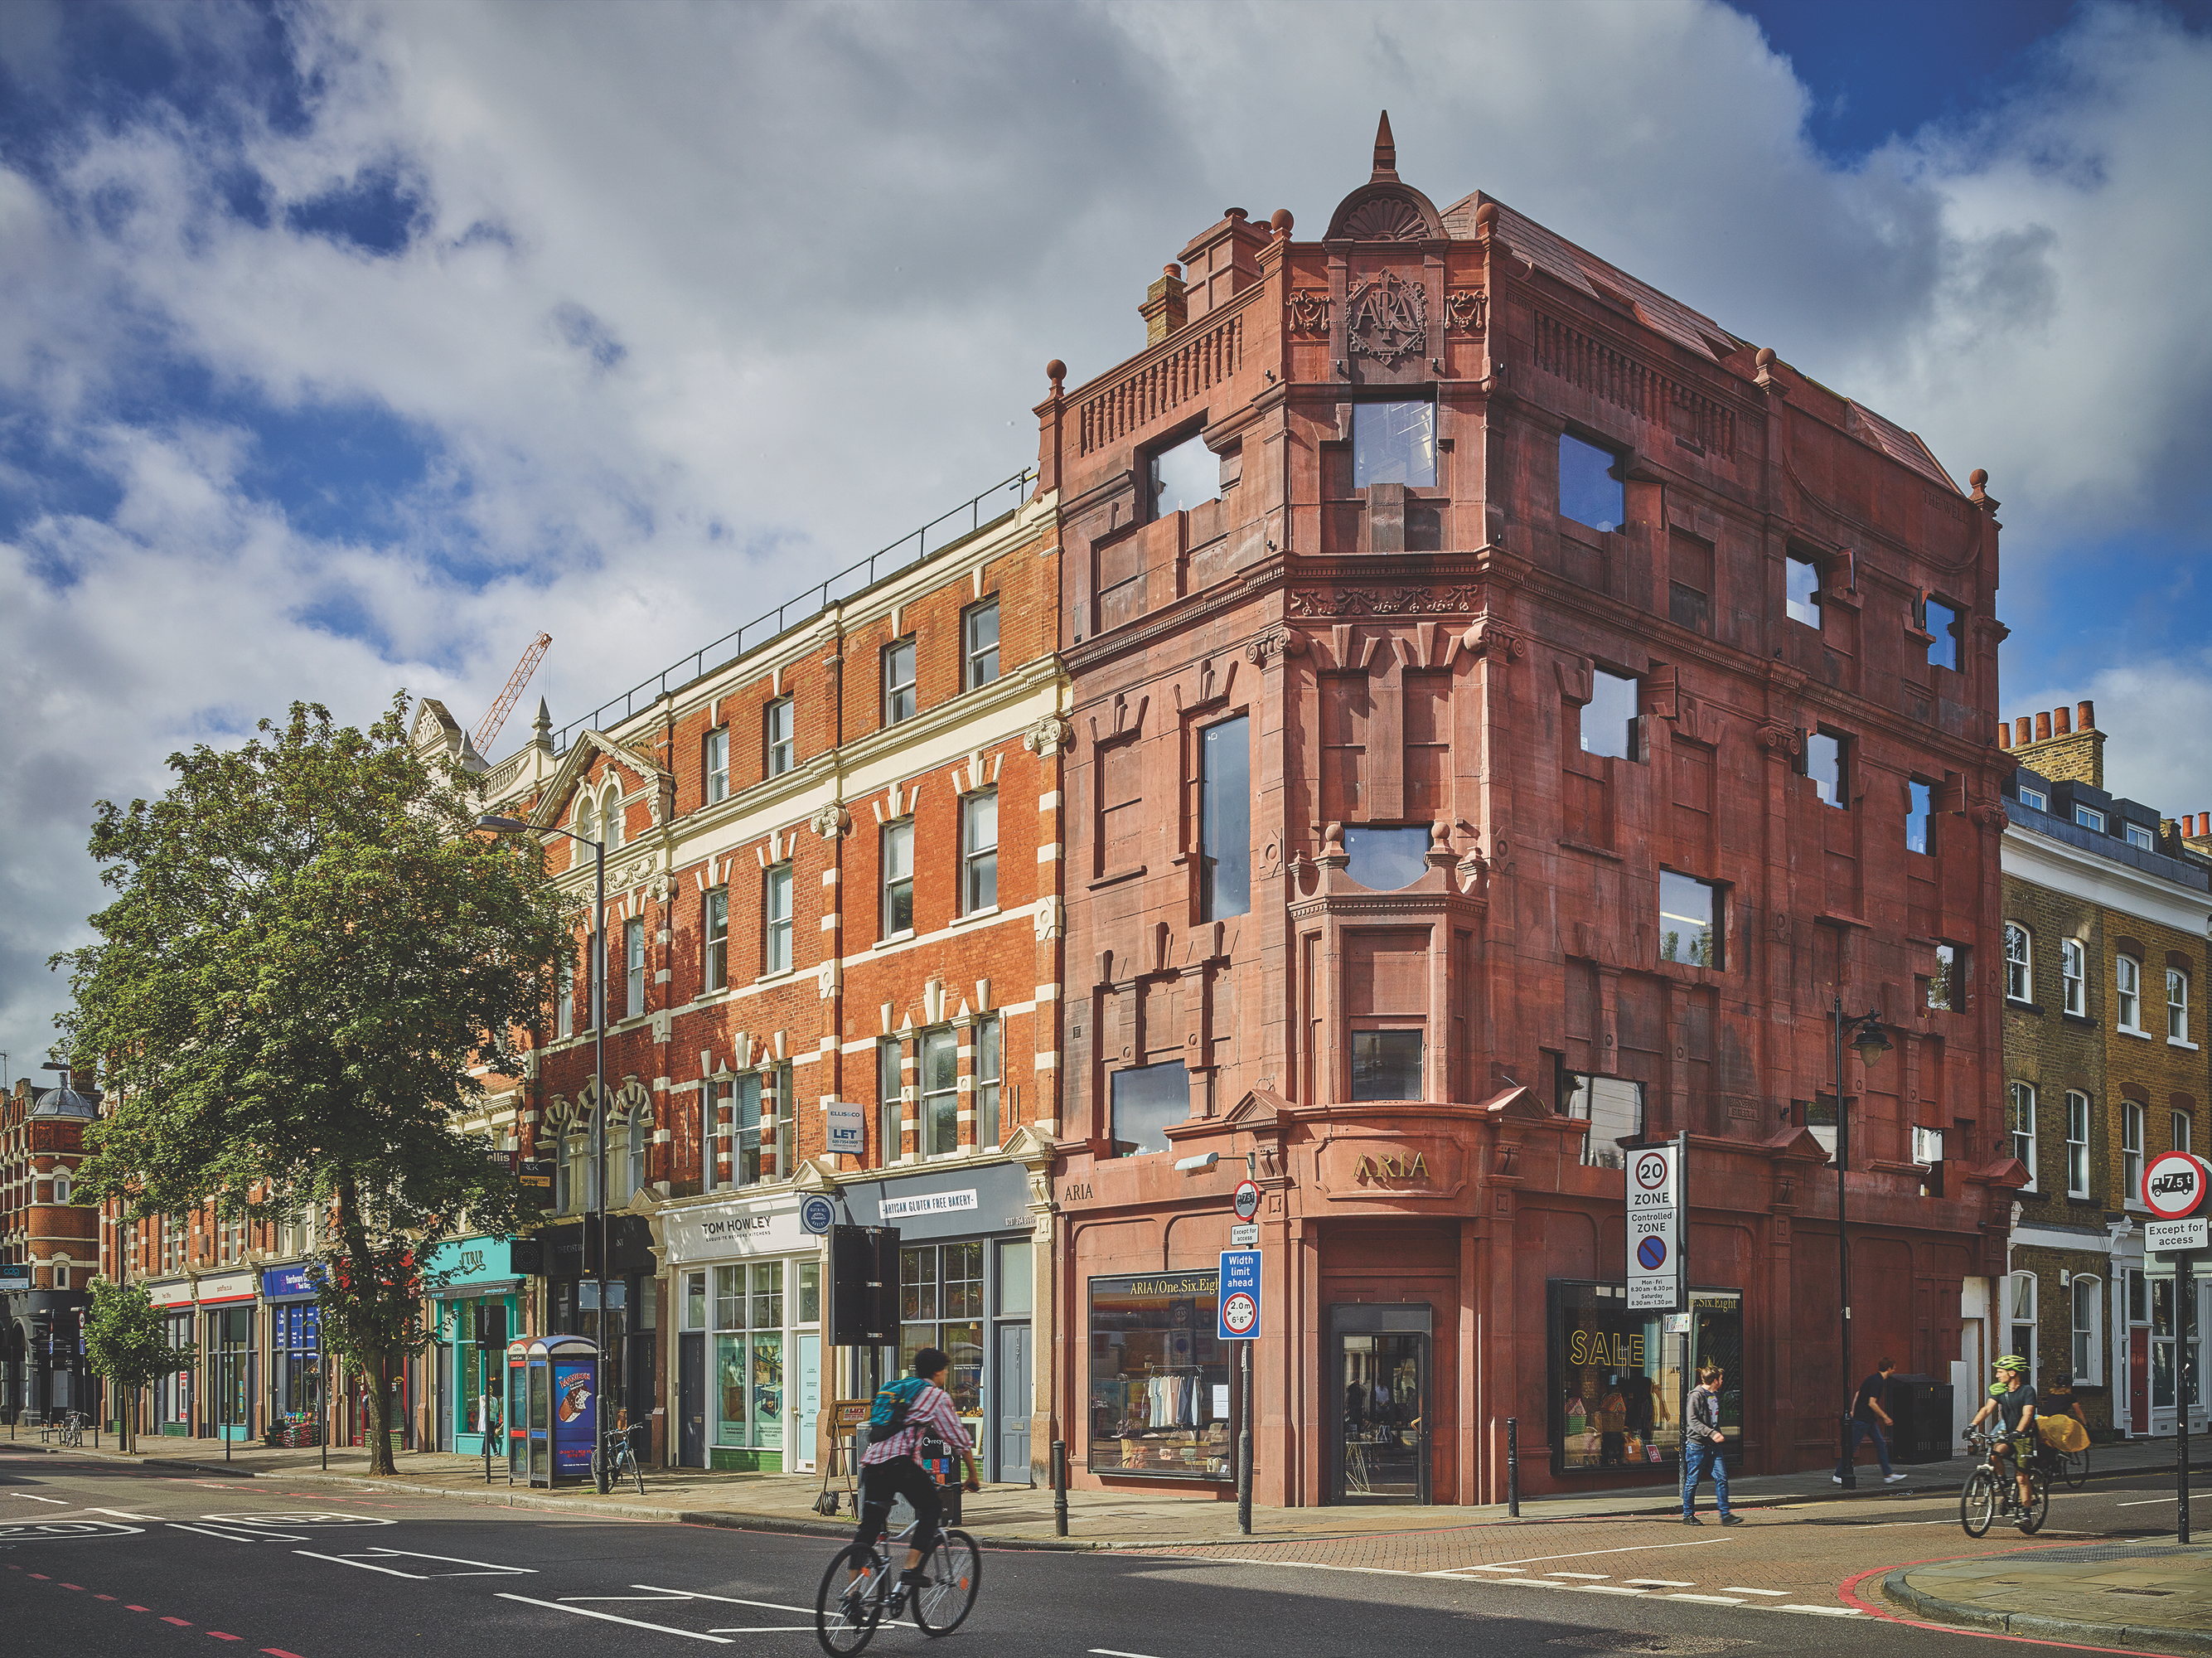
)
(2012, 1403)
(1869, 1419)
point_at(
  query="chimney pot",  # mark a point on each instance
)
(2062, 721)
(2005, 733)
(2087, 718)
(2026, 733)
(2043, 727)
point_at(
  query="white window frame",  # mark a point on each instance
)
(2127, 979)
(718, 764)
(897, 860)
(564, 999)
(2176, 1009)
(979, 856)
(2035, 800)
(714, 939)
(779, 737)
(633, 967)
(2020, 1298)
(610, 816)
(2088, 817)
(2140, 837)
(2088, 1358)
(2073, 977)
(2020, 958)
(2077, 1144)
(776, 886)
(2019, 1107)
(973, 666)
(2132, 1120)
(2183, 1131)
(902, 694)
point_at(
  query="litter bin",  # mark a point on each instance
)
(1921, 1407)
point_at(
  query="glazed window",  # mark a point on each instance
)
(940, 1093)
(2089, 818)
(2073, 988)
(898, 878)
(1186, 475)
(1944, 623)
(1590, 489)
(979, 852)
(900, 701)
(2035, 798)
(633, 968)
(1387, 1066)
(2077, 1144)
(890, 1096)
(979, 644)
(1146, 1101)
(778, 734)
(2131, 1152)
(1224, 819)
(2140, 837)
(2017, 963)
(1384, 860)
(2177, 1006)
(718, 765)
(1689, 920)
(564, 1000)
(1826, 756)
(1920, 817)
(776, 908)
(1613, 1108)
(2127, 976)
(715, 930)
(2020, 1299)
(1944, 988)
(1394, 443)
(989, 1067)
(2181, 1132)
(2088, 1327)
(2019, 1113)
(1801, 592)
(1609, 725)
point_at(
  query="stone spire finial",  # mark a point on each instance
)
(1386, 152)
(541, 728)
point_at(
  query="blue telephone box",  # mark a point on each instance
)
(563, 1382)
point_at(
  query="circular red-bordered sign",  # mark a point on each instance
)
(1239, 1313)
(2174, 1187)
(1651, 1170)
(1247, 1201)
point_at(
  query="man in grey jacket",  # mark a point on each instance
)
(1701, 1445)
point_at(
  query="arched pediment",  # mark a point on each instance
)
(1385, 208)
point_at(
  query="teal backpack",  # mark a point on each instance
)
(894, 1406)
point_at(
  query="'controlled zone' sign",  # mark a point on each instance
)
(1655, 1230)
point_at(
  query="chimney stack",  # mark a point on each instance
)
(2063, 743)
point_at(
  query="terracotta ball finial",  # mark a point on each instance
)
(1979, 478)
(1485, 218)
(1055, 371)
(1765, 358)
(1281, 221)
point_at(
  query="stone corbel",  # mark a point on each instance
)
(1493, 638)
(831, 821)
(1048, 734)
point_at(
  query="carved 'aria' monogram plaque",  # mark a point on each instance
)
(1387, 318)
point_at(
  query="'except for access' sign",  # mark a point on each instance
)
(1239, 1317)
(1655, 1230)
(2173, 1237)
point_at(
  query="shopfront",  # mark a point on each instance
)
(1159, 1383)
(294, 1361)
(748, 1288)
(967, 1287)
(477, 1310)
(1616, 1377)
(170, 1400)
(226, 1309)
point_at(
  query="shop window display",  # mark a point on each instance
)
(941, 1306)
(749, 1354)
(1159, 1386)
(1616, 1376)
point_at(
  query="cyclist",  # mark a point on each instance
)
(2012, 1403)
(890, 1467)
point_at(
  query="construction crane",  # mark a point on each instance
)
(489, 731)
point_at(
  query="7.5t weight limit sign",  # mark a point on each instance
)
(1655, 1230)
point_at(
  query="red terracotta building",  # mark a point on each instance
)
(1509, 709)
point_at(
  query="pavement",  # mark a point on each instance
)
(2114, 1582)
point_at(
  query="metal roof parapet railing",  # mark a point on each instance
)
(815, 600)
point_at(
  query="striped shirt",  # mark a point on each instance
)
(932, 1413)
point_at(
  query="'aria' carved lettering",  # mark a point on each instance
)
(1395, 1167)
(1388, 318)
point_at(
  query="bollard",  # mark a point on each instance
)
(1060, 1488)
(1513, 1466)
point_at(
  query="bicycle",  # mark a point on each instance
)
(2074, 1468)
(73, 1431)
(617, 1458)
(846, 1610)
(1991, 1491)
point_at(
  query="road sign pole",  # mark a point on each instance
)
(1244, 1451)
(2184, 1323)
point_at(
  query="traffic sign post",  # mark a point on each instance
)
(1655, 1228)
(2176, 1189)
(1238, 1320)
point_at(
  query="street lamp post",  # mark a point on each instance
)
(1870, 1044)
(598, 970)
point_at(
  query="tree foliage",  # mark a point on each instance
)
(308, 952)
(127, 1340)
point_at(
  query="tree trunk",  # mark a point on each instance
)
(380, 1444)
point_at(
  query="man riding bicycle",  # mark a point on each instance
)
(919, 1407)
(2012, 1402)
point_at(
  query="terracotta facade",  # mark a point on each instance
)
(1483, 739)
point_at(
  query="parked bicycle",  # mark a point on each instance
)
(862, 1589)
(1991, 1493)
(618, 1459)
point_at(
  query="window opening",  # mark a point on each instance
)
(979, 852)
(1609, 725)
(718, 765)
(898, 878)
(2072, 982)
(776, 894)
(1824, 764)
(2177, 1005)
(2017, 963)
(1186, 475)
(2131, 1152)
(779, 734)
(715, 927)
(1224, 819)
(2021, 1121)
(1689, 920)
(1943, 623)
(1590, 488)
(633, 967)
(2128, 976)
(890, 1096)
(1920, 817)
(979, 642)
(940, 1093)
(1943, 985)
(1613, 1108)
(2140, 837)
(2089, 818)
(2089, 1318)
(988, 1066)
(1387, 1066)
(2077, 1144)
(1394, 443)
(1801, 599)
(900, 702)
(1147, 1100)
(1384, 860)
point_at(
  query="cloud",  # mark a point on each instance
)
(349, 345)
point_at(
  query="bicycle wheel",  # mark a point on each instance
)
(1978, 1502)
(636, 1471)
(844, 1620)
(2076, 1470)
(2038, 1504)
(954, 1568)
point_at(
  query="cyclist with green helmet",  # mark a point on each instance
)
(2012, 1403)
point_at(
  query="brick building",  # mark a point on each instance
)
(834, 878)
(51, 1243)
(1510, 709)
(2107, 907)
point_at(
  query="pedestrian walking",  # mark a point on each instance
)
(1869, 1419)
(1702, 1443)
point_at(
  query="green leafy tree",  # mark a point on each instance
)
(309, 951)
(127, 1341)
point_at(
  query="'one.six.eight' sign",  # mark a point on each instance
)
(1655, 1228)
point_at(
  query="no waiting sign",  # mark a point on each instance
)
(1655, 1230)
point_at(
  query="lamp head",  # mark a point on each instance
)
(1869, 1041)
(502, 826)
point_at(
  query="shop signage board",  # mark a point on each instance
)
(15, 1277)
(846, 1126)
(1655, 1230)
(927, 1202)
(717, 1231)
(1239, 1314)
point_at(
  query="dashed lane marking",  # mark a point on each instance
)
(1591, 1576)
(1661, 1583)
(700, 1595)
(1819, 1612)
(1738, 1589)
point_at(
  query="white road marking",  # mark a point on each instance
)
(766, 1629)
(1738, 1589)
(488, 1569)
(586, 1611)
(1707, 1600)
(1594, 1576)
(1111, 1652)
(1822, 1612)
(2146, 1502)
(231, 1537)
(730, 1599)
(123, 1514)
(340, 1560)
(29, 1497)
(1661, 1582)
(1601, 1588)
(1582, 1554)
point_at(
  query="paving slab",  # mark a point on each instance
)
(2150, 1595)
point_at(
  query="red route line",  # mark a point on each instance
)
(274, 1652)
(1847, 1589)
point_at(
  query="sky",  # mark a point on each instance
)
(345, 347)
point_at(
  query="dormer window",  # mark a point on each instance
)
(2089, 818)
(1394, 443)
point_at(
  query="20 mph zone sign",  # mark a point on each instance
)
(1655, 1230)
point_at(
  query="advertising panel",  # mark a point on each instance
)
(575, 1418)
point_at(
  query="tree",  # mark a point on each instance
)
(310, 949)
(127, 1341)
